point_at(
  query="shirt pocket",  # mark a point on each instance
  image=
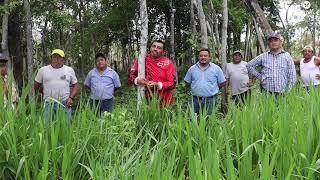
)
(107, 80)
(210, 78)
(66, 77)
(244, 71)
(95, 80)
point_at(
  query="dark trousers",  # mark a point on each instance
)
(240, 99)
(102, 105)
(204, 103)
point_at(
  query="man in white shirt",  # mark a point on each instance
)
(238, 78)
(58, 84)
(309, 68)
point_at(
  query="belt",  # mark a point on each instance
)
(204, 97)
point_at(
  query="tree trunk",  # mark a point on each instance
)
(26, 5)
(143, 49)
(82, 51)
(203, 25)
(260, 38)
(224, 31)
(193, 31)
(314, 29)
(247, 41)
(258, 13)
(43, 42)
(172, 11)
(4, 42)
(172, 42)
(215, 26)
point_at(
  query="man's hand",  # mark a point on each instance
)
(142, 81)
(69, 102)
(152, 84)
(250, 84)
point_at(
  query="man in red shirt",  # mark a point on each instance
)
(160, 74)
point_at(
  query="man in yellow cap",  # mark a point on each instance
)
(58, 84)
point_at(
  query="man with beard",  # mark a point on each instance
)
(58, 84)
(102, 81)
(160, 74)
(205, 79)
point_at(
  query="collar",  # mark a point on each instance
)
(104, 72)
(198, 64)
(149, 57)
(282, 51)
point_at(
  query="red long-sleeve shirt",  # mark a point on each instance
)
(158, 70)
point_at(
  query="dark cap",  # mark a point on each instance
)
(274, 35)
(3, 58)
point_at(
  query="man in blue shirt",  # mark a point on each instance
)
(205, 79)
(102, 81)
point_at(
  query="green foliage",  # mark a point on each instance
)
(12, 4)
(269, 138)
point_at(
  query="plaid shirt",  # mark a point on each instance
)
(278, 72)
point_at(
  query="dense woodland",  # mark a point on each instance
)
(32, 28)
(267, 138)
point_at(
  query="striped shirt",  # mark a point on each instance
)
(277, 71)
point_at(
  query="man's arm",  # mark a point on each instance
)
(317, 61)
(74, 89)
(224, 87)
(292, 77)
(170, 82)
(133, 75)
(251, 66)
(87, 82)
(38, 87)
(296, 61)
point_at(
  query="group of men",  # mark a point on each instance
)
(59, 85)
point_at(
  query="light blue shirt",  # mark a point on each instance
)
(204, 83)
(102, 86)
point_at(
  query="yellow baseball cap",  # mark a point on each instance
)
(58, 51)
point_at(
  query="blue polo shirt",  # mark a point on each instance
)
(204, 83)
(102, 85)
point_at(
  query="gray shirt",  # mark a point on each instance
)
(56, 82)
(238, 77)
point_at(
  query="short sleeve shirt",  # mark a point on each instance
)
(56, 82)
(204, 83)
(238, 77)
(102, 85)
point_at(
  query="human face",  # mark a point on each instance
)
(237, 58)
(204, 58)
(307, 53)
(101, 63)
(156, 50)
(56, 61)
(3, 69)
(275, 44)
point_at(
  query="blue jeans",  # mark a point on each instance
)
(103, 105)
(201, 103)
(51, 108)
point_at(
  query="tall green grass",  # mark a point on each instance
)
(268, 138)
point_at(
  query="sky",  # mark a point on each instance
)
(295, 14)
